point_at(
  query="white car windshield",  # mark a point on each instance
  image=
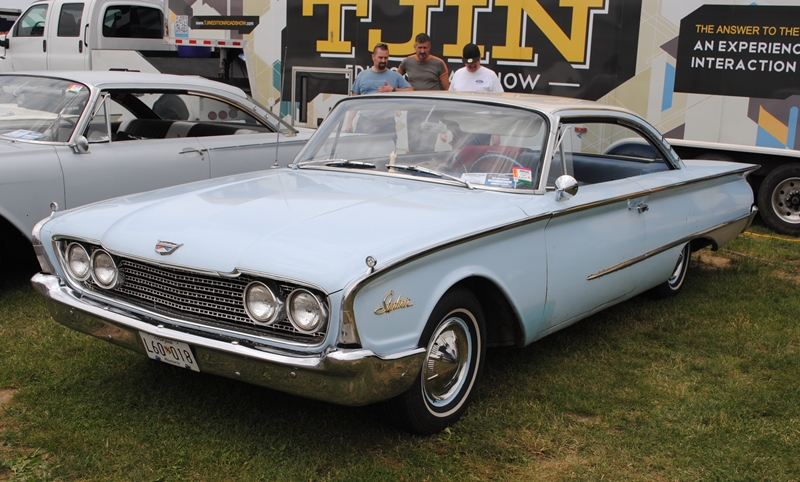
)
(481, 145)
(40, 109)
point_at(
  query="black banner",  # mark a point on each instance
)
(583, 50)
(746, 51)
(242, 24)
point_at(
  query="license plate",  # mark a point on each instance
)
(169, 351)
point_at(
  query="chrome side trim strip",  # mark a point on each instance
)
(742, 171)
(719, 235)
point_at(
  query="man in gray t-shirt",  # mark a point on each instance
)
(424, 72)
(376, 79)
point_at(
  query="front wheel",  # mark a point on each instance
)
(455, 350)
(674, 283)
(779, 199)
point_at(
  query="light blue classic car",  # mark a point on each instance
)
(381, 263)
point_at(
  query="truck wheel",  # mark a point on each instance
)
(455, 350)
(674, 284)
(779, 199)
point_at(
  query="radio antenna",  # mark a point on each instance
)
(280, 105)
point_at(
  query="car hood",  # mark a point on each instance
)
(8, 146)
(310, 225)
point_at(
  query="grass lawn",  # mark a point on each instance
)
(704, 386)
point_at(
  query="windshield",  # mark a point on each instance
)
(480, 144)
(40, 109)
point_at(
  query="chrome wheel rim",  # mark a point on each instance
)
(447, 362)
(786, 200)
(676, 277)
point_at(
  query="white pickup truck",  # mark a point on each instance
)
(91, 35)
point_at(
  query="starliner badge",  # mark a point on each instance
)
(389, 305)
(165, 247)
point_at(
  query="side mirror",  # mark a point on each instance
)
(81, 145)
(566, 187)
(4, 42)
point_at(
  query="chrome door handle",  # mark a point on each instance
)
(187, 150)
(640, 206)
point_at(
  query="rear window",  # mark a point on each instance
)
(130, 21)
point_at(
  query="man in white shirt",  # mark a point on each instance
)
(473, 77)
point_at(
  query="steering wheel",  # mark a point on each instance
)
(457, 160)
(494, 161)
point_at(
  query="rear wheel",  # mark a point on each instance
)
(454, 353)
(674, 284)
(779, 199)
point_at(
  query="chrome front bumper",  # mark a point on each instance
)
(343, 376)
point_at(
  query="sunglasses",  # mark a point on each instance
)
(381, 46)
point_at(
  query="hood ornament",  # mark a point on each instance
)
(371, 262)
(165, 247)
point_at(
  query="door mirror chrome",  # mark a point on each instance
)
(81, 145)
(566, 187)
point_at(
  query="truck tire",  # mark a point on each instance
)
(779, 199)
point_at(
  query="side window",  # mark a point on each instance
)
(197, 108)
(165, 115)
(597, 152)
(32, 22)
(130, 21)
(69, 21)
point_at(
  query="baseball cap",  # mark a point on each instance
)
(471, 53)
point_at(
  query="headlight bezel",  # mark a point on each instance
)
(68, 261)
(320, 306)
(96, 278)
(273, 292)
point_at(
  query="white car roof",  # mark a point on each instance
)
(545, 103)
(103, 79)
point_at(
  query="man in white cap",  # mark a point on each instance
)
(473, 77)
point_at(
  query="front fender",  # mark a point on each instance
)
(391, 306)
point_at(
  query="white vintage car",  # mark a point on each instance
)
(73, 138)
(381, 264)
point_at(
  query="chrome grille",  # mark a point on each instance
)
(201, 298)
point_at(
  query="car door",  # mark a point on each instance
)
(235, 141)
(594, 237)
(27, 48)
(249, 152)
(113, 168)
(66, 50)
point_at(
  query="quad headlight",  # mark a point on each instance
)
(261, 303)
(78, 262)
(104, 269)
(305, 311)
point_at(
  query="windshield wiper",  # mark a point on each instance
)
(336, 163)
(431, 172)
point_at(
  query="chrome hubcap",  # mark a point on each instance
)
(786, 200)
(447, 361)
(676, 275)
